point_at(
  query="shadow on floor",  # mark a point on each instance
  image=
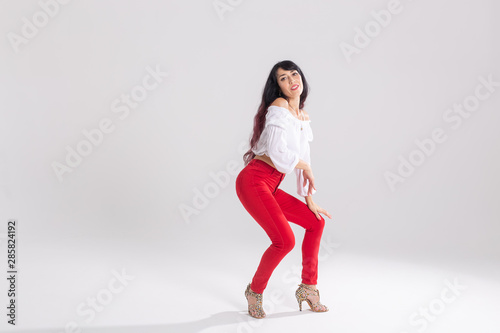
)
(218, 319)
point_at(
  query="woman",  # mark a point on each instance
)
(280, 145)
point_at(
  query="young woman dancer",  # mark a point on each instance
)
(280, 145)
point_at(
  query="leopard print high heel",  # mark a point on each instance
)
(255, 310)
(301, 294)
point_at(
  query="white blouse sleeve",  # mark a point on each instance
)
(301, 189)
(283, 158)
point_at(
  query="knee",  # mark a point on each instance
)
(317, 225)
(321, 223)
(287, 244)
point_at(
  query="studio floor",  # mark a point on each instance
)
(96, 293)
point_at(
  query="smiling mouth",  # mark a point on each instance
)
(295, 87)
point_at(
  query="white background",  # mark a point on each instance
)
(121, 207)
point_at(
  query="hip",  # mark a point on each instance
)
(259, 173)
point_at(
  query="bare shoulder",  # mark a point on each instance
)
(306, 115)
(280, 101)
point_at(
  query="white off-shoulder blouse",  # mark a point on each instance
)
(285, 143)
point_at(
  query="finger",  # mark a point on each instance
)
(312, 184)
(316, 212)
(324, 211)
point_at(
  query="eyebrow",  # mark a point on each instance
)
(285, 73)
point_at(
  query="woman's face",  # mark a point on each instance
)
(290, 82)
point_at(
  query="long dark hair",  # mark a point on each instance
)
(270, 93)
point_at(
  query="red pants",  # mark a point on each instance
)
(272, 208)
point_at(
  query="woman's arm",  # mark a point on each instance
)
(308, 175)
(303, 165)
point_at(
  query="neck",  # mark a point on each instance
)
(294, 103)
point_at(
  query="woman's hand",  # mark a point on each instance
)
(315, 208)
(308, 175)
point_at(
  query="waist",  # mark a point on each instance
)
(266, 170)
(266, 159)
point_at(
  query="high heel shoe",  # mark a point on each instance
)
(301, 294)
(255, 310)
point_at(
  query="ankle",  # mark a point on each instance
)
(312, 286)
(254, 292)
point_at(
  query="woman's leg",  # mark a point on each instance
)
(256, 191)
(296, 211)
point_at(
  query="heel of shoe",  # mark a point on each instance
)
(301, 295)
(255, 310)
